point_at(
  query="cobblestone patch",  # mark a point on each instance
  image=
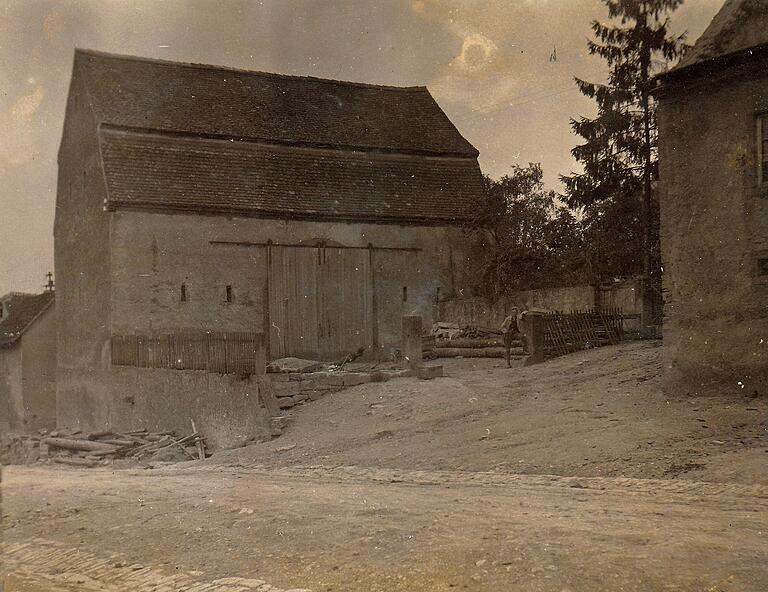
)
(48, 566)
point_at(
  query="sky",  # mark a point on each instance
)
(488, 63)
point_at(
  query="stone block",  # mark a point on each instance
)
(285, 402)
(279, 377)
(310, 387)
(300, 398)
(286, 389)
(293, 365)
(277, 425)
(314, 395)
(325, 380)
(430, 372)
(411, 340)
(355, 378)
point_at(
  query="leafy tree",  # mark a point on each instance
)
(533, 240)
(619, 154)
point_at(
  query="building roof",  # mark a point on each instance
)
(206, 139)
(154, 171)
(739, 26)
(22, 310)
(224, 102)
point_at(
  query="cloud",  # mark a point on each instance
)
(17, 122)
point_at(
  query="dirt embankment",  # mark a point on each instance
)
(596, 413)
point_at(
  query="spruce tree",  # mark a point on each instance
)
(619, 154)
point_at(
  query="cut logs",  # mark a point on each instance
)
(78, 444)
(88, 450)
(470, 342)
(469, 352)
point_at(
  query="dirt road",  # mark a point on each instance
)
(430, 486)
(223, 530)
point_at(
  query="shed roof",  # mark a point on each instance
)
(22, 310)
(739, 26)
(224, 102)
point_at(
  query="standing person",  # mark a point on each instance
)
(510, 332)
(513, 329)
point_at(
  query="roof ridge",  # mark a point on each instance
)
(133, 58)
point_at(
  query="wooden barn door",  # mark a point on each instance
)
(345, 302)
(293, 287)
(320, 302)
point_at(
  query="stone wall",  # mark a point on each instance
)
(227, 409)
(714, 227)
(482, 313)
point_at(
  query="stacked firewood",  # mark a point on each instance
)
(89, 450)
(474, 342)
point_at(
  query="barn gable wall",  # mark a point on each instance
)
(714, 228)
(82, 259)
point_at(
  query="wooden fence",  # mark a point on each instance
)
(578, 330)
(221, 353)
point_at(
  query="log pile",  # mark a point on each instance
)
(471, 342)
(90, 450)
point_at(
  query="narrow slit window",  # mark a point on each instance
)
(183, 293)
(405, 293)
(229, 296)
(762, 149)
(762, 267)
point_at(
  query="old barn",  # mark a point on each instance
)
(296, 215)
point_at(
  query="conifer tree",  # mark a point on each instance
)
(619, 154)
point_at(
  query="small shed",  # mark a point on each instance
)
(27, 362)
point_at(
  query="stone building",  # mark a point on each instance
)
(713, 151)
(195, 199)
(27, 362)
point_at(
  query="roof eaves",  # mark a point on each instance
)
(714, 65)
(136, 206)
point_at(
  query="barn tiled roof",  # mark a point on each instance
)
(22, 310)
(155, 171)
(739, 26)
(210, 100)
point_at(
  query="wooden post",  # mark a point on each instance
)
(411, 342)
(534, 330)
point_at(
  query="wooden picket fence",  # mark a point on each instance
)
(221, 353)
(566, 333)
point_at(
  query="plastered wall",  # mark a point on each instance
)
(714, 227)
(153, 254)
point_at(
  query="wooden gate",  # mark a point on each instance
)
(320, 301)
